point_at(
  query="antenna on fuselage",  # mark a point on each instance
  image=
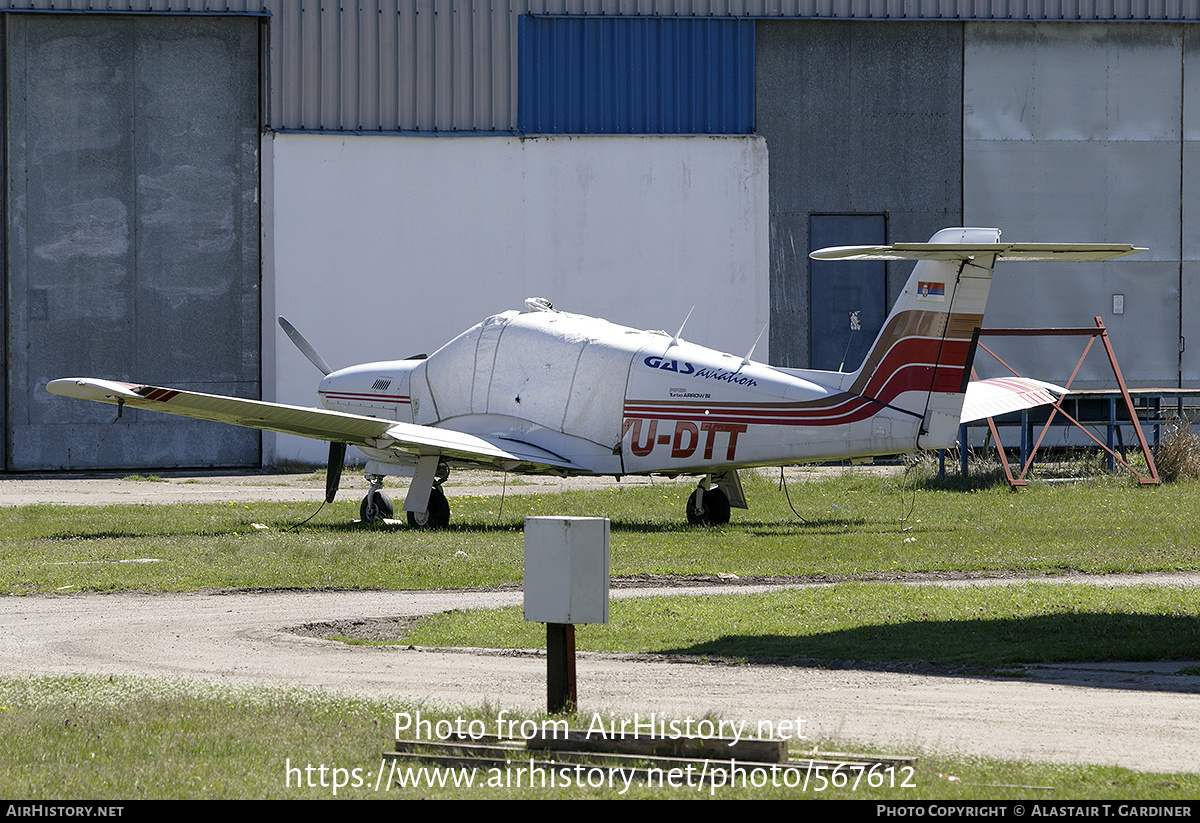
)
(746, 359)
(678, 334)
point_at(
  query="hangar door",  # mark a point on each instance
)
(132, 232)
(847, 301)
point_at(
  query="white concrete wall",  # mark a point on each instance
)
(380, 247)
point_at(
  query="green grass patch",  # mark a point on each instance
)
(992, 626)
(858, 525)
(123, 738)
(120, 738)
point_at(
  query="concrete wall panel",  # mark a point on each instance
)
(1095, 191)
(1072, 82)
(1189, 278)
(1073, 294)
(133, 231)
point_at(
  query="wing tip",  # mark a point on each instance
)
(91, 388)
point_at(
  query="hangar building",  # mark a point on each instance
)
(386, 173)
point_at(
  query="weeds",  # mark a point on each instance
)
(1179, 450)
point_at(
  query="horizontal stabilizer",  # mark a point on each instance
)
(1000, 395)
(1003, 251)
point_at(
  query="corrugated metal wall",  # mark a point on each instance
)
(885, 9)
(1073, 132)
(451, 65)
(394, 65)
(636, 76)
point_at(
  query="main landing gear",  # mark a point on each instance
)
(377, 506)
(436, 514)
(707, 506)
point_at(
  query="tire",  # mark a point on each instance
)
(435, 516)
(717, 505)
(708, 508)
(375, 507)
(696, 509)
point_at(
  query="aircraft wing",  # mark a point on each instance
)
(320, 424)
(1003, 251)
(1000, 395)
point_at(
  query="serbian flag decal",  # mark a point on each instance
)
(930, 291)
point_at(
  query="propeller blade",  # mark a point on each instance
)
(303, 345)
(333, 472)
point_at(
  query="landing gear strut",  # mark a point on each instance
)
(707, 507)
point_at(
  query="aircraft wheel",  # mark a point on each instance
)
(708, 508)
(435, 516)
(376, 506)
(717, 505)
(695, 508)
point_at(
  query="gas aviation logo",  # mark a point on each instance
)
(733, 377)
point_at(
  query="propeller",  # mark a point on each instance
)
(337, 451)
(333, 471)
(303, 345)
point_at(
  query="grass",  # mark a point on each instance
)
(112, 737)
(858, 527)
(993, 626)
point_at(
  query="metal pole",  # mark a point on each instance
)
(561, 697)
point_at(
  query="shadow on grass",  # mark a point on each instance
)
(981, 647)
(754, 527)
(72, 537)
(757, 528)
(985, 472)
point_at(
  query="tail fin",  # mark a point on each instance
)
(920, 363)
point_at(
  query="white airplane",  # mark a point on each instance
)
(544, 391)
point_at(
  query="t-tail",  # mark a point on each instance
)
(920, 363)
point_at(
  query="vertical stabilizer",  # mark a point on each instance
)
(920, 362)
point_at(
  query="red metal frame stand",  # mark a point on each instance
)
(1099, 332)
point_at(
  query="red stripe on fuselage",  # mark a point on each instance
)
(919, 353)
(838, 410)
(830, 412)
(365, 398)
(913, 364)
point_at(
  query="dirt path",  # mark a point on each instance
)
(1144, 717)
(104, 489)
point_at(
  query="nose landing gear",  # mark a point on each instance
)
(376, 506)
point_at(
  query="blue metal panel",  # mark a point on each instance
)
(635, 76)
